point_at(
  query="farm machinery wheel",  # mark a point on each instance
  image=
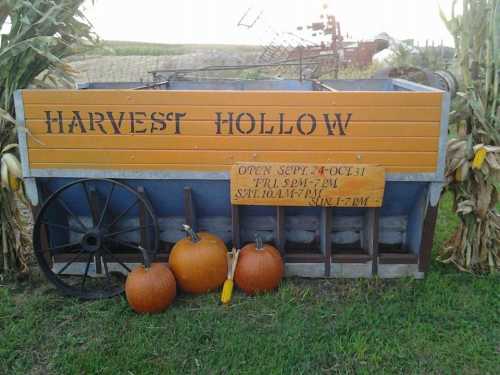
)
(89, 232)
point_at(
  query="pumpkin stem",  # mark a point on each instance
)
(145, 255)
(259, 245)
(191, 233)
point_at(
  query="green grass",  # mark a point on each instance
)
(448, 323)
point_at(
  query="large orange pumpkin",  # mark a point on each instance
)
(199, 262)
(260, 268)
(150, 288)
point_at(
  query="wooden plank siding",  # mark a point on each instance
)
(195, 131)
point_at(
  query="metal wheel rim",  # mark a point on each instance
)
(70, 290)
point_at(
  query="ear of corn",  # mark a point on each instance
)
(227, 291)
(479, 157)
(473, 158)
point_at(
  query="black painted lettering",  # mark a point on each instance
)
(263, 124)
(49, 120)
(239, 193)
(116, 125)
(343, 126)
(158, 119)
(137, 119)
(300, 126)
(329, 125)
(219, 122)
(96, 118)
(239, 121)
(178, 118)
(282, 125)
(76, 122)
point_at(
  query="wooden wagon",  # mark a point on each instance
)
(109, 170)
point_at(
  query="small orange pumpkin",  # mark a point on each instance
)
(260, 268)
(150, 288)
(199, 262)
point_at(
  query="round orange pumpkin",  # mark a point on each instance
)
(199, 262)
(150, 288)
(260, 268)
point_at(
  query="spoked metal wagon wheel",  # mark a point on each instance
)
(88, 235)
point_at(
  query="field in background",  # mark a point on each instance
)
(120, 48)
(117, 61)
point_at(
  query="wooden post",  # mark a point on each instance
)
(428, 229)
(235, 225)
(371, 233)
(325, 228)
(280, 229)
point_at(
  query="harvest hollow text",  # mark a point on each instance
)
(171, 123)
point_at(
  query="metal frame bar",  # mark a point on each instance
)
(443, 135)
(280, 229)
(189, 175)
(21, 133)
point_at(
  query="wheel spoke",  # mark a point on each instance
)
(68, 228)
(86, 272)
(128, 230)
(105, 208)
(68, 210)
(116, 259)
(62, 249)
(93, 214)
(118, 218)
(71, 261)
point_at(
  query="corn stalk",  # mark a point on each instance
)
(473, 156)
(41, 33)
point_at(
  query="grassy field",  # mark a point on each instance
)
(448, 323)
(122, 48)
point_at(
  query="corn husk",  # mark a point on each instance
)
(40, 35)
(473, 157)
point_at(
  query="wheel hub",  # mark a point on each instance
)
(91, 241)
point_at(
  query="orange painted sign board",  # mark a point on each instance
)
(209, 131)
(315, 185)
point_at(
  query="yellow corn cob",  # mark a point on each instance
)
(479, 157)
(227, 291)
(14, 183)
